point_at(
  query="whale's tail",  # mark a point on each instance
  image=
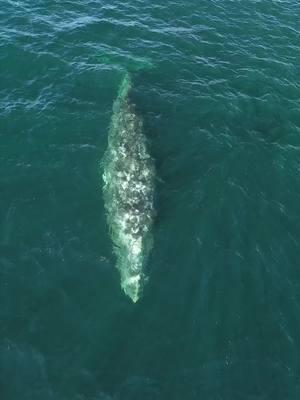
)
(123, 93)
(125, 61)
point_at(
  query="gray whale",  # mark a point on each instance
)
(128, 192)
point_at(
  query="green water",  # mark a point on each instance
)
(217, 86)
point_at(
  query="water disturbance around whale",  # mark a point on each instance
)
(128, 191)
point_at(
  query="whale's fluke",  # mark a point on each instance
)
(128, 191)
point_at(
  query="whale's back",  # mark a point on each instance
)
(128, 192)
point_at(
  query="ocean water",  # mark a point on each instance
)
(216, 83)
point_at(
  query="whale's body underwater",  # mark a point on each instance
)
(128, 192)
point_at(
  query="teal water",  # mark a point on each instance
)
(217, 86)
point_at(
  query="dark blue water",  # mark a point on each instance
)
(217, 86)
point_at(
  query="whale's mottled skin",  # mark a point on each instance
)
(128, 192)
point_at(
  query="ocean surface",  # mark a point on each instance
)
(217, 84)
